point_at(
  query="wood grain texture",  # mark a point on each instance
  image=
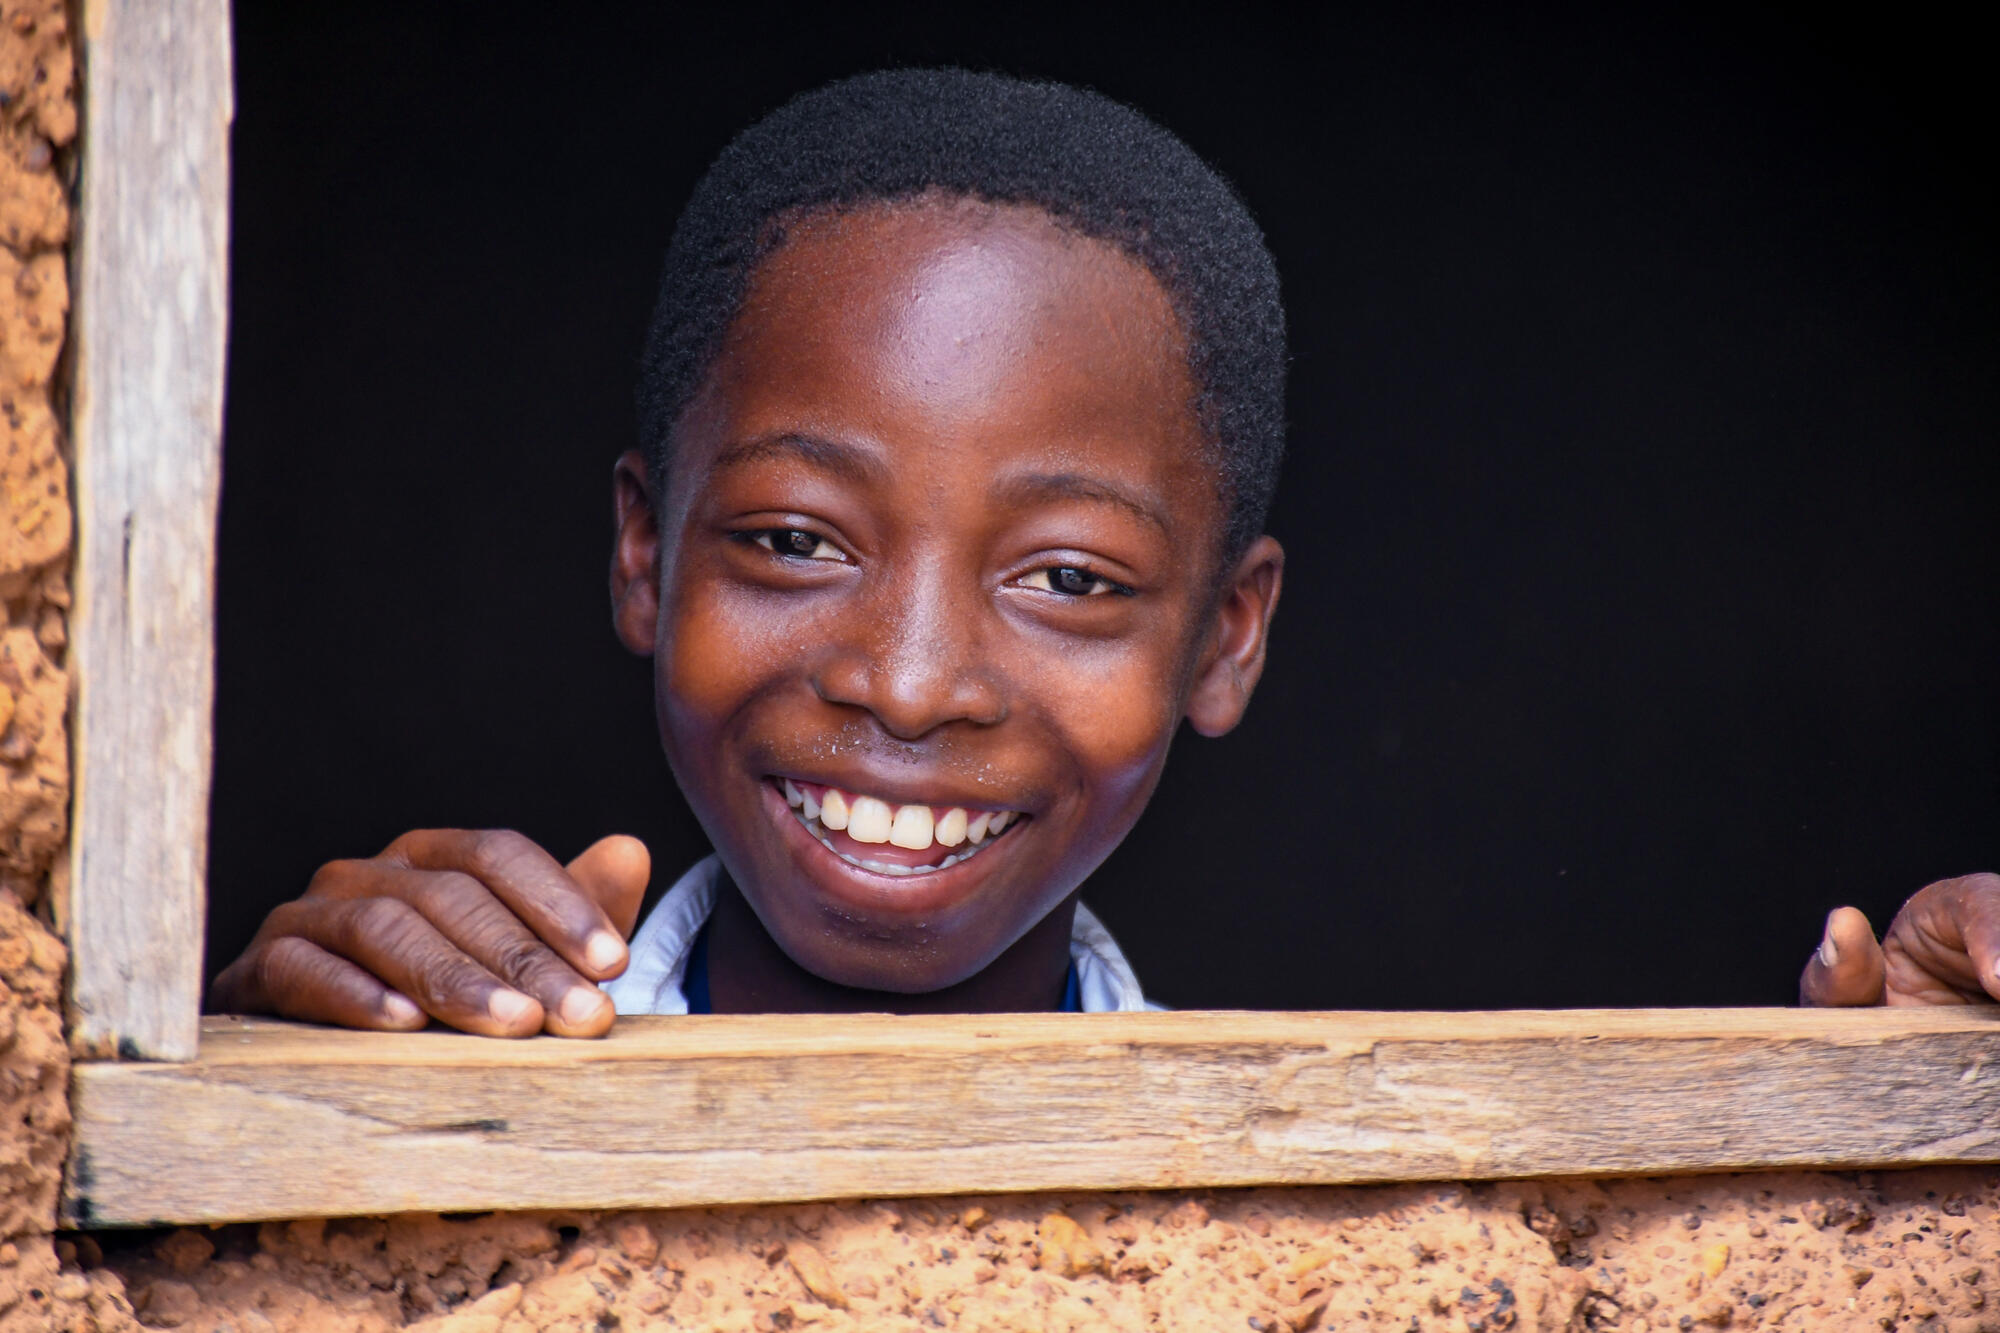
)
(151, 315)
(276, 1120)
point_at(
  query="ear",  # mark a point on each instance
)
(1234, 658)
(635, 555)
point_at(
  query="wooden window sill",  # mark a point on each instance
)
(278, 1120)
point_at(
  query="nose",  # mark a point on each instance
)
(911, 656)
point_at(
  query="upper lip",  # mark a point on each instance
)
(902, 789)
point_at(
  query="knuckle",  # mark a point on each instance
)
(287, 919)
(534, 956)
(449, 897)
(283, 965)
(386, 922)
(521, 961)
(330, 879)
(494, 851)
(420, 844)
(501, 944)
(444, 979)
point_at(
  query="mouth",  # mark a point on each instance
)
(892, 838)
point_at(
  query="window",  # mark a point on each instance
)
(181, 1118)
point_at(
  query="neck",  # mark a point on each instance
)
(749, 974)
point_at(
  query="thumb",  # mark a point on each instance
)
(1847, 968)
(614, 871)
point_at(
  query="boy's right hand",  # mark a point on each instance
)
(483, 931)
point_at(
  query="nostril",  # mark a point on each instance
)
(910, 694)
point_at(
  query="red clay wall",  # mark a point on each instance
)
(1801, 1251)
(1794, 1251)
(37, 127)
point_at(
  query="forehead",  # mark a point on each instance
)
(956, 320)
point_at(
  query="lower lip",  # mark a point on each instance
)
(862, 888)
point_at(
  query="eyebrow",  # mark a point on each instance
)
(1026, 488)
(853, 462)
(863, 467)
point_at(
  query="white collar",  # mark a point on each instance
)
(651, 984)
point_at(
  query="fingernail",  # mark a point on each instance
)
(1828, 955)
(580, 1004)
(509, 1006)
(603, 951)
(400, 1009)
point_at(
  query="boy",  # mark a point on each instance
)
(961, 410)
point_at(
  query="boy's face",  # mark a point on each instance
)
(941, 532)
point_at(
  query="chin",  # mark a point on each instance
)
(869, 970)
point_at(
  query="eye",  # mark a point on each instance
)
(1072, 581)
(796, 544)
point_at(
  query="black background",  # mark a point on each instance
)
(1640, 509)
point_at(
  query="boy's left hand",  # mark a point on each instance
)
(1942, 948)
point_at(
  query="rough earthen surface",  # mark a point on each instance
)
(37, 125)
(34, 1074)
(1918, 1250)
(37, 122)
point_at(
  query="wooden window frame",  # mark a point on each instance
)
(185, 1119)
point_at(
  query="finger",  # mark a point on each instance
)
(615, 871)
(470, 914)
(531, 884)
(466, 913)
(1847, 968)
(1944, 946)
(295, 978)
(393, 941)
(1982, 931)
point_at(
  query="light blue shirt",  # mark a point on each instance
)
(651, 984)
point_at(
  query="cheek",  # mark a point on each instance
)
(714, 653)
(1119, 711)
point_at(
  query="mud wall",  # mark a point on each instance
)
(37, 132)
(1797, 1250)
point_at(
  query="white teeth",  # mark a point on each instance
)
(912, 828)
(868, 819)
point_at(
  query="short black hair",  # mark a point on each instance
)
(1095, 165)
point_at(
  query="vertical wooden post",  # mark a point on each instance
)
(151, 287)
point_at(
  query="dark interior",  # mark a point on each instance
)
(1641, 507)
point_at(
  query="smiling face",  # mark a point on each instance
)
(933, 581)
